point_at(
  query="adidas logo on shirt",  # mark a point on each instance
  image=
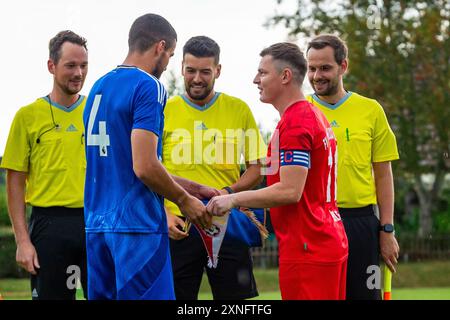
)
(34, 294)
(334, 124)
(201, 126)
(71, 128)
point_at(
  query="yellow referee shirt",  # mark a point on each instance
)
(363, 136)
(46, 141)
(207, 144)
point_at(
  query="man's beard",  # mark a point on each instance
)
(331, 90)
(68, 90)
(158, 70)
(202, 96)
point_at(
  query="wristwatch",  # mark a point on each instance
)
(388, 228)
(228, 189)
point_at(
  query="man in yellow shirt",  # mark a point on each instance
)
(366, 146)
(45, 162)
(205, 135)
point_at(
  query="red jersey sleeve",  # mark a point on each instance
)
(295, 136)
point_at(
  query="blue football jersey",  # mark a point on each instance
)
(115, 199)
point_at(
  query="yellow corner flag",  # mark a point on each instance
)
(387, 283)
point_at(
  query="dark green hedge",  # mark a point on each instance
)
(4, 217)
(8, 266)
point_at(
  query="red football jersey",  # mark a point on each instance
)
(310, 230)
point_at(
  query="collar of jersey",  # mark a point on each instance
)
(126, 66)
(204, 107)
(64, 108)
(332, 106)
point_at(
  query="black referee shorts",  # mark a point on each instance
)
(58, 235)
(232, 279)
(361, 226)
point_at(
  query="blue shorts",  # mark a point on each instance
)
(129, 266)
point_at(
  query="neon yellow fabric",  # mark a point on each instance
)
(206, 144)
(56, 165)
(363, 136)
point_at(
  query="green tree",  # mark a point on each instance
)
(2, 174)
(174, 85)
(399, 53)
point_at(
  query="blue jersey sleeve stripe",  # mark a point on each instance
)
(162, 94)
(159, 92)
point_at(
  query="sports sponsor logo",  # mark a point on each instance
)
(71, 128)
(334, 124)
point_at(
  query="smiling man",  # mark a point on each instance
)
(205, 134)
(366, 146)
(312, 246)
(45, 163)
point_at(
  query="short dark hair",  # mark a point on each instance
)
(329, 40)
(148, 30)
(57, 41)
(289, 54)
(201, 47)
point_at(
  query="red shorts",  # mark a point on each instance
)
(305, 281)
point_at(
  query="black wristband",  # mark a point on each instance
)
(229, 190)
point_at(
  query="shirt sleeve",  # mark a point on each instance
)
(149, 106)
(296, 143)
(384, 143)
(296, 137)
(17, 152)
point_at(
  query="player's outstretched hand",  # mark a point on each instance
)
(205, 192)
(177, 227)
(220, 205)
(195, 210)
